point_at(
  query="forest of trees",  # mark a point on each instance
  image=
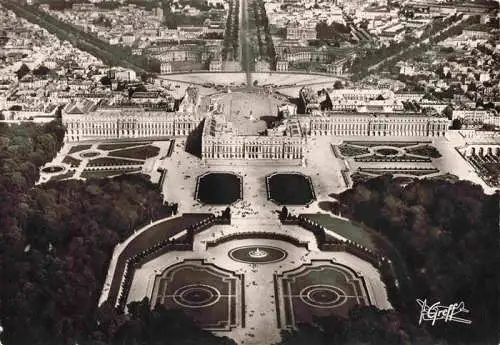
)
(264, 38)
(364, 325)
(157, 327)
(447, 235)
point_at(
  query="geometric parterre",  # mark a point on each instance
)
(210, 295)
(320, 288)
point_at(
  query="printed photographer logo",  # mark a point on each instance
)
(446, 313)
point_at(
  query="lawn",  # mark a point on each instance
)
(348, 151)
(344, 228)
(187, 66)
(142, 152)
(320, 291)
(290, 189)
(146, 239)
(118, 146)
(425, 150)
(218, 188)
(110, 161)
(107, 173)
(71, 161)
(89, 154)
(171, 148)
(387, 151)
(52, 169)
(403, 158)
(78, 148)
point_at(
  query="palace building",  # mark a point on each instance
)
(363, 113)
(380, 124)
(374, 112)
(221, 141)
(87, 119)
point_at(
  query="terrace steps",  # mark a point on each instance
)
(249, 220)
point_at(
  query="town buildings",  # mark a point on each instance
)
(188, 41)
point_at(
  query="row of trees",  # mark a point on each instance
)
(408, 48)
(230, 49)
(113, 55)
(443, 232)
(264, 38)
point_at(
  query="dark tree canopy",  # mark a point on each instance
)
(41, 71)
(444, 234)
(157, 327)
(338, 85)
(332, 31)
(22, 71)
(364, 325)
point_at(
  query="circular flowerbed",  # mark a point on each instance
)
(219, 188)
(197, 296)
(90, 154)
(323, 296)
(52, 169)
(290, 189)
(386, 151)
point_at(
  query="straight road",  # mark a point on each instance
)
(66, 31)
(244, 41)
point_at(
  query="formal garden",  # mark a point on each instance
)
(78, 148)
(405, 160)
(104, 159)
(204, 292)
(487, 166)
(348, 150)
(424, 150)
(386, 151)
(318, 290)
